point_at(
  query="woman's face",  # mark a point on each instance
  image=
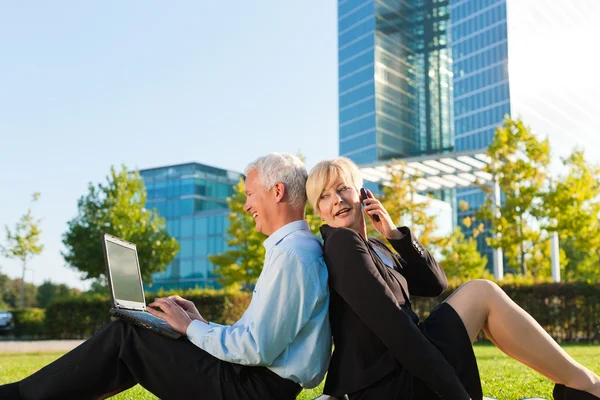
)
(339, 205)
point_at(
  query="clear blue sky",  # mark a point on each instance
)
(87, 85)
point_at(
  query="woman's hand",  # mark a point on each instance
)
(386, 225)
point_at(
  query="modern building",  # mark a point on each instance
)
(408, 68)
(192, 198)
(506, 61)
(479, 42)
(528, 59)
(395, 79)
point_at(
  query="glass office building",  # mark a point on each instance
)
(395, 79)
(419, 77)
(479, 41)
(192, 198)
(480, 65)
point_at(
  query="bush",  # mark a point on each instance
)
(79, 317)
(569, 312)
(220, 306)
(29, 322)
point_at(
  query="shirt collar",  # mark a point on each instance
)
(282, 232)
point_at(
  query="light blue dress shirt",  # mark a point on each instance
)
(286, 327)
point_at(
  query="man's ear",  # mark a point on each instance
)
(279, 189)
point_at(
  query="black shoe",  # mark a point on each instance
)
(561, 392)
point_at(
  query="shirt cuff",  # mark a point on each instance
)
(196, 329)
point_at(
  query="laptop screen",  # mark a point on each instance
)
(126, 280)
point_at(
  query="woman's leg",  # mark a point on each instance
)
(483, 305)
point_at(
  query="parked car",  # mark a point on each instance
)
(6, 322)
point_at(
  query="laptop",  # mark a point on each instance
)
(126, 289)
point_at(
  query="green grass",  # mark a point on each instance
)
(502, 378)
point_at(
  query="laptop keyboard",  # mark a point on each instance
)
(145, 316)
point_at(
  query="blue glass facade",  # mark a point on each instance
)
(480, 68)
(192, 198)
(395, 84)
(479, 40)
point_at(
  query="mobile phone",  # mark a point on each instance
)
(363, 195)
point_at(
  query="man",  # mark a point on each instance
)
(281, 343)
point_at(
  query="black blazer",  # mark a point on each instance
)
(374, 329)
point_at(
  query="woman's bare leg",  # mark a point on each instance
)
(483, 305)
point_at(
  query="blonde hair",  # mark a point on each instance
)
(325, 173)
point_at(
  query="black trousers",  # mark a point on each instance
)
(122, 355)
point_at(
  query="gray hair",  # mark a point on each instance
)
(285, 168)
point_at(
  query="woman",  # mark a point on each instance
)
(382, 351)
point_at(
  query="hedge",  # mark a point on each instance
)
(81, 316)
(569, 312)
(29, 322)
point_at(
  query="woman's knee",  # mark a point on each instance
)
(481, 286)
(480, 289)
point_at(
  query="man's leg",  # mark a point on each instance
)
(122, 355)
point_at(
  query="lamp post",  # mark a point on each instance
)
(554, 246)
(498, 262)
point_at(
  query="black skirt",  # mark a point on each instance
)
(446, 331)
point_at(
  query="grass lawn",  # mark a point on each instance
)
(502, 377)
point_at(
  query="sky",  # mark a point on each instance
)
(88, 85)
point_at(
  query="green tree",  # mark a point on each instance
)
(7, 296)
(519, 162)
(48, 292)
(99, 286)
(571, 207)
(10, 293)
(314, 221)
(460, 257)
(5, 292)
(399, 199)
(117, 208)
(243, 262)
(23, 243)
(541, 259)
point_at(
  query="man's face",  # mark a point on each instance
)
(258, 202)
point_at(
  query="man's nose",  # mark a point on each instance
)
(246, 207)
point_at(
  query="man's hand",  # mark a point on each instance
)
(176, 316)
(189, 308)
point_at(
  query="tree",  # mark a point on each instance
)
(399, 198)
(243, 262)
(10, 293)
(571, 207)
(460, 257)
(23, 243)
(48, 292)
(314, 221)
(5, 293)
(99, 286)
(117, 208)
(519, 162)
